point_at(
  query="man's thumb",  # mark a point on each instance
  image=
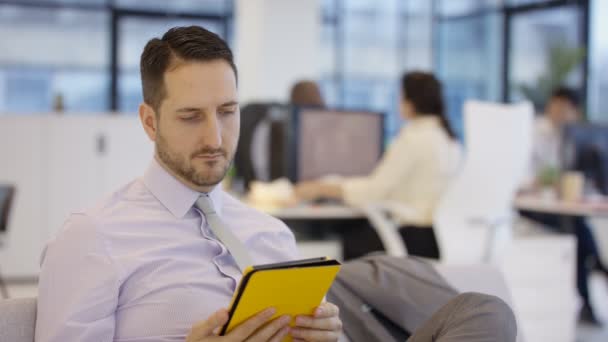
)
(221, 318)
(209, 326)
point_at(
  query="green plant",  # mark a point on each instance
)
(548, 177)
(561, 61)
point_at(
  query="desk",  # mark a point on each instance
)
(324, 223)
(317, 212)
(555, 206)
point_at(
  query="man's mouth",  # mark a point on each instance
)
(210, 156)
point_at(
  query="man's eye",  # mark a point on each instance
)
(226, 112)
(189, 118)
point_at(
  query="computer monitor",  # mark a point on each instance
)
(334, 142)
(7, 193)
(585, 149)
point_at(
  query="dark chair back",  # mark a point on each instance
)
(261, 152)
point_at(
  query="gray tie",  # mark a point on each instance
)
(234, 245)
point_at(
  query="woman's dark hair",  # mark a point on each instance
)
(423, 90)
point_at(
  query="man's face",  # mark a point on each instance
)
(561, 111)
(197, 127)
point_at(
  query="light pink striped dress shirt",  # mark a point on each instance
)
(143, 265)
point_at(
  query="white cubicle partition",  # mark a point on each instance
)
(60, 164)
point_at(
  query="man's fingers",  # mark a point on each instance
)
(314, 335)
(271, 329)
(206, 327)
(331, 323)
(278, 337)
(247, 328)
(326, 310)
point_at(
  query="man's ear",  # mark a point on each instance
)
(148, 117)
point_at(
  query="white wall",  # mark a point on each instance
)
(57, 167)
(276, 44)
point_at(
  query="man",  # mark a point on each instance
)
(562, 109)
(151, 262)
(144, 265)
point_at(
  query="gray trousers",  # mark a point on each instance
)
(381, 298)
(471, 317)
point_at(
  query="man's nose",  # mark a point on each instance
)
(213, 132)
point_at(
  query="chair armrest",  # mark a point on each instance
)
(380, 216)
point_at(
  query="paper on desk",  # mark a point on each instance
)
(278, 193)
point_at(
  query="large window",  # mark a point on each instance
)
(367, 45)
(545, 51)
(415, 34)
(83, 55)
(50, 58)
(494, 50)
(468, 60)
(597, 105)
(509, 50)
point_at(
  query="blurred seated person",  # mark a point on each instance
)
(414, 171)
(562, 109)
(306, 93)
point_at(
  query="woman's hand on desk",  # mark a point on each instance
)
(312, 190)
(324, 326)
(258, 328)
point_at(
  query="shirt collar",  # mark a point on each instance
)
(173, 194)
(425, 120)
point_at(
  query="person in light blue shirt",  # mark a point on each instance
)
(143, 264)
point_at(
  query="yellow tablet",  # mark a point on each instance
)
(293, 288)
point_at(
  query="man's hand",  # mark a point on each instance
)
(256, 329)
(324, 326)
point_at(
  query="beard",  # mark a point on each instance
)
(212, 173)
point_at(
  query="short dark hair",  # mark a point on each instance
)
(424, 91)
(191, 43)
(567, 94)
(306, 93)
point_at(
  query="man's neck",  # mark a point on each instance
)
(201, 189)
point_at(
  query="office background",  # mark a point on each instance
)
(85, 54)
(81, 57)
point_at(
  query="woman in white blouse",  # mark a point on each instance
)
(415, 169)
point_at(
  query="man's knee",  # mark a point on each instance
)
(491, 311)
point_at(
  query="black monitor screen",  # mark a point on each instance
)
(332, 142)
(6, 198)
(585, 149)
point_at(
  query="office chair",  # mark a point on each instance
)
(473, 218)
(261, 152)
(7, 193)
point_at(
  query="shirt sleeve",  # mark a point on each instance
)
(78, 286)
(276, 241)
(394, 165)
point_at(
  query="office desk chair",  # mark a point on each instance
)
(261, 152)
(473, 218)
(7, 193)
